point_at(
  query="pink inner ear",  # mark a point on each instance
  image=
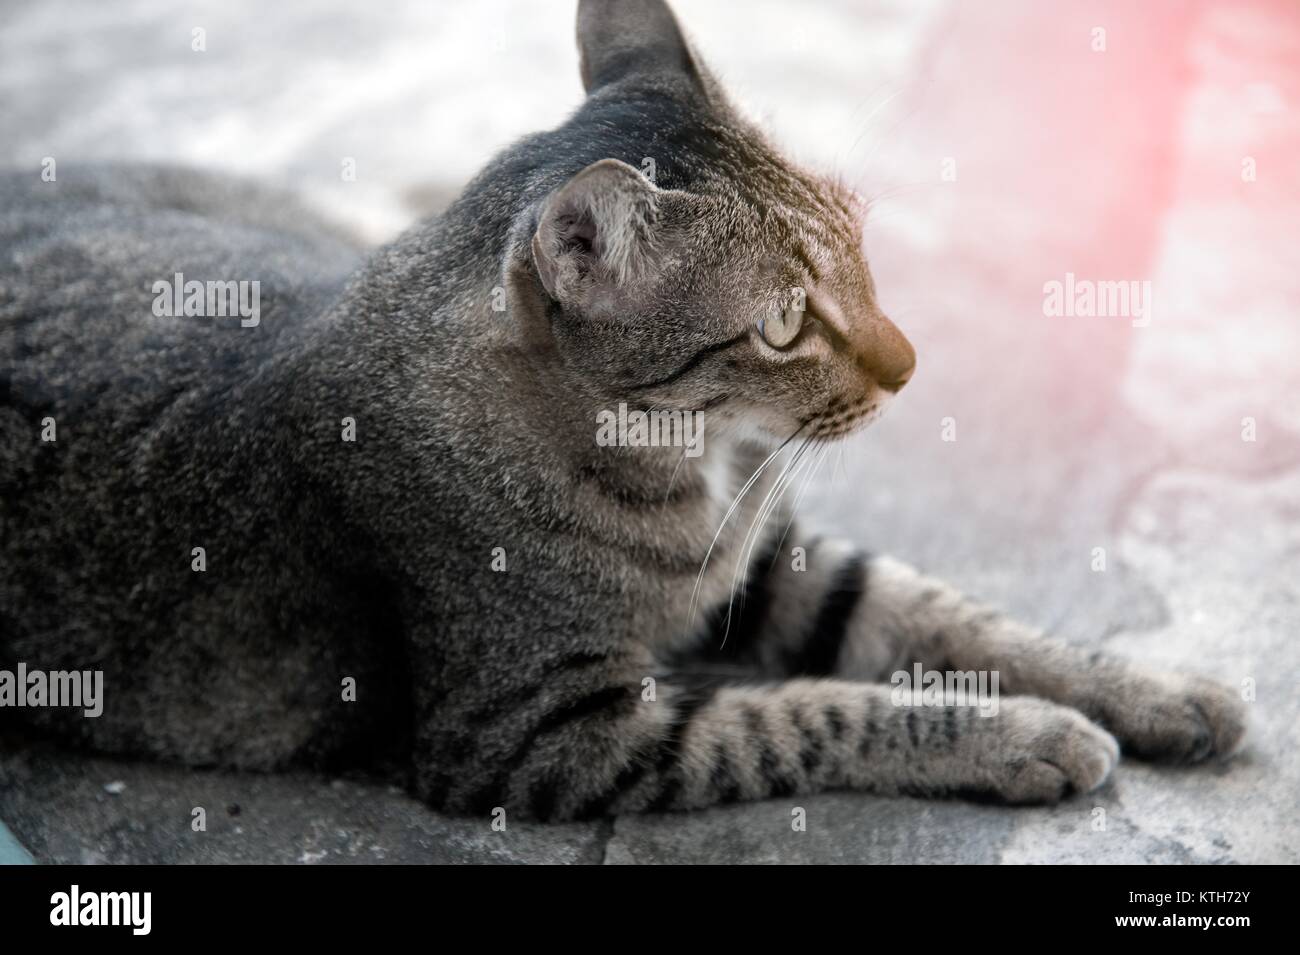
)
(576, 230)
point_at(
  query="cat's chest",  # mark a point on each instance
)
(733, 531)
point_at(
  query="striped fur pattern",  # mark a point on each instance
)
(532, 621)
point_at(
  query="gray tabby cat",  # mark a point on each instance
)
(500, 586)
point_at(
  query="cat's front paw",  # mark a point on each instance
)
(1172, 717)
(1044, 751)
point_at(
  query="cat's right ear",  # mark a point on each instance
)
(595, 242)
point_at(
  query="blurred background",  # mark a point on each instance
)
(1137, 487)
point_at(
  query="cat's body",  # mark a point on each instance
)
(499, 585)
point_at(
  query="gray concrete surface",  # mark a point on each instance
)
(1071, 433)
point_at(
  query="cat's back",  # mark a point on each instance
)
(123, 418)
(93, 274)
(133, 431)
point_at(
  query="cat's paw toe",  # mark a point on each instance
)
(1048, 751)
(1178, 719)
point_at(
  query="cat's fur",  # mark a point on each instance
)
(475, 430)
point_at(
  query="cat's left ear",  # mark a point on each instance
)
(596, 236)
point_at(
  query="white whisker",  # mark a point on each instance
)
(772, 500)
(673, 479)
(794, 508)
(699, 579)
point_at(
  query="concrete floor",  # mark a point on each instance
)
(1072, 433)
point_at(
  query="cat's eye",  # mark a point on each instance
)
(782, 329)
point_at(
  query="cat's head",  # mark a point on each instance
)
(687, 264)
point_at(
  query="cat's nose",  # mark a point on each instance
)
(887, 356)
